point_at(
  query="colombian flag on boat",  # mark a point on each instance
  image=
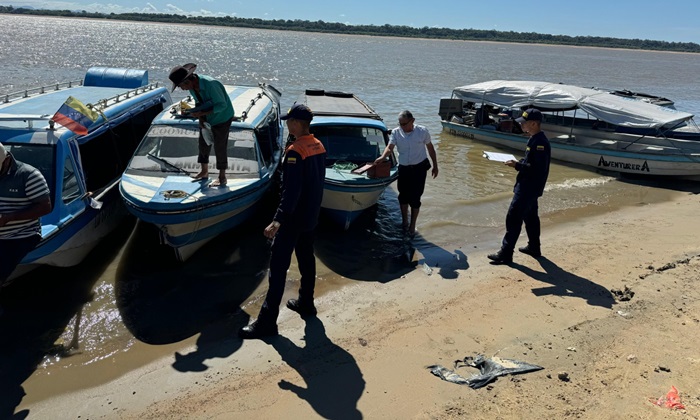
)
(75, 116)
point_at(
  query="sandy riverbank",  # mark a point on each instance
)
(366, 354)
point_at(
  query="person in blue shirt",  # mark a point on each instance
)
(215, 112)
(533, 171)
(292, 227)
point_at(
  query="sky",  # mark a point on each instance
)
(672, 21)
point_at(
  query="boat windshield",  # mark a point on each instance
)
(40, 156)
(171, 149)
(354, 144)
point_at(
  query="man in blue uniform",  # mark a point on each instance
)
(292, 227)
(533, 170)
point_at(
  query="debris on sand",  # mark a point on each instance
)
(622, 295)
(489, 370)
(671, 400)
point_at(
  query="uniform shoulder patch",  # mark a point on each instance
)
(540, 147)
(291, 159)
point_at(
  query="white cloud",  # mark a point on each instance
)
(114, 8)
(174, 9)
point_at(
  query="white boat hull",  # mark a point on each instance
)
(604, 153)
(344, 206)
(187, 238)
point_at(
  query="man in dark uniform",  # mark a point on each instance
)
(304, 171)
(533, 170)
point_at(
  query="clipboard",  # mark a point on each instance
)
(499, 157)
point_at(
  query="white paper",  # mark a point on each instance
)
(499, 157)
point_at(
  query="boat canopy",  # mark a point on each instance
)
(613, 109)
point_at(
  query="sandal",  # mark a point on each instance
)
(200, 177)
(218, 182)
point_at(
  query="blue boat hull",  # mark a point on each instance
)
(190, 214)
(82, 170)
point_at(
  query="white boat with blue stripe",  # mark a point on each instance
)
(157, 187)
(353, 135)
(82, 170)
(595, 128)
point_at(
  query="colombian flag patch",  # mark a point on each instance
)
(540, 147)
(291, 160)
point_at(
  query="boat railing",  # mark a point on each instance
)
(39, 90)
(101, 104)
(112, 100)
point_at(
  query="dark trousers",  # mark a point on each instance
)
(12, 251)
(220, 132)
(523, 208)
(289, 240)
(411, 183)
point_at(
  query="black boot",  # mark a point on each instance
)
(533, 251)
(501, 257)
(258, 330)
(303, 309)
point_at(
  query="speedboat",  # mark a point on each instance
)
(595, 128)
(354, 135)
(157, 186)
(81, 167)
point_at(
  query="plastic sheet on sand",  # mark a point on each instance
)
(489, 370)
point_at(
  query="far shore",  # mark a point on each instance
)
(365, 35)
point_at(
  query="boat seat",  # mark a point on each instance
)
(565, 138)
(607, 144)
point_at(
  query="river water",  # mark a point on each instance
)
(130, 303)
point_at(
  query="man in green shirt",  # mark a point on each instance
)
(215, 112)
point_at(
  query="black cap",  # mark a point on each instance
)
(299, 112)
(531, 114)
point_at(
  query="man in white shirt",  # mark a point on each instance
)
(414, 146)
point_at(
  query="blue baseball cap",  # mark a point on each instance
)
(299, 112)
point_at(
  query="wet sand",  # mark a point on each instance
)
(366, 354)
(374, 336)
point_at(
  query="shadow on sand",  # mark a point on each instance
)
(437, 258)
(164, 301)
(334, 382)
(39, 307)
(217, 340)
(567, 284)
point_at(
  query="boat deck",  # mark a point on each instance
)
(342, 104)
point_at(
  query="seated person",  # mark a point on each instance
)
(482, 116)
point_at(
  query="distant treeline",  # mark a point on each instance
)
(382, 30)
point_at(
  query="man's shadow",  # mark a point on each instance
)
(334, 382)
(436, 257)
(215, 340)
(567, 284)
